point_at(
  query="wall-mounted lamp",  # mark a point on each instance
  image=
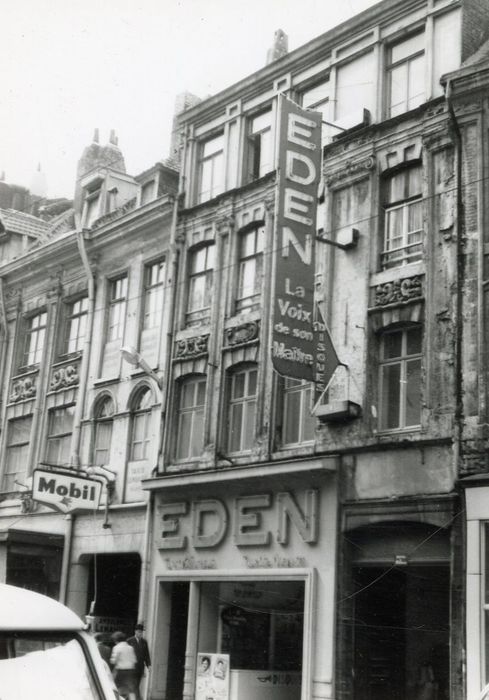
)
(132, 356)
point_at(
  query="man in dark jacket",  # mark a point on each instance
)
(140, 646)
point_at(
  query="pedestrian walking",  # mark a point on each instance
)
(123, 660)
(143, 659)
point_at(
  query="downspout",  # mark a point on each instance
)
(76, 437)
(459, 277)
(148, 524)
(3, 330)
(459, 282)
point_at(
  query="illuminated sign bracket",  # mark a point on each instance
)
(352, 242)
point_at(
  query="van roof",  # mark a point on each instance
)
(24, 610)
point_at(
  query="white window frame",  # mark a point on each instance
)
(205, 273)
(245, 299)
(410, 101)
(304, 389)
(411, 247)
(35, 336)
(154, 294)
(244, 405)
(403, 361)
(196, 413)
(260, 144)
(103, 448)
(140, 415)
(18, 453)
(76, 325)
(117, 308)
(61, 440)
(216, 162)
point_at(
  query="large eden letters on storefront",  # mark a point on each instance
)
(206, 523)
(299, 163)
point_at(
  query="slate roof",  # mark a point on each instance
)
(18, 222)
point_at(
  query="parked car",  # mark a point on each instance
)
(46, 652)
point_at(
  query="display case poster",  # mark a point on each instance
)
(212, 682)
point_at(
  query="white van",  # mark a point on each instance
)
(46, 652)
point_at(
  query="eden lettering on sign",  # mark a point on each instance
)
(206, 523)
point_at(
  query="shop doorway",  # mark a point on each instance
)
(113, 591)
(401, 633)
(394, 607)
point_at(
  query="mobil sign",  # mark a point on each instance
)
(65, 491)
(299, 162)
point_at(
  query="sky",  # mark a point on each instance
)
(70, 66)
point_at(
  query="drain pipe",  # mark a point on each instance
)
(460, 277)
(148, 524)
(459, 282)
(82, 386)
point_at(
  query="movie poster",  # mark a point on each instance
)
(212, 681)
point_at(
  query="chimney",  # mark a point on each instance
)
(183, 101)
(95, 136)
(113, 138)
(280, 46)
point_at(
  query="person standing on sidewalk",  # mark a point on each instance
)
(143, 659)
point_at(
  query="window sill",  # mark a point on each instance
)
(401, 432)
(395, 273)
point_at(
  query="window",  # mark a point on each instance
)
(18, 435)
(35, 333)
(242, 409)
(117, 308)
(148, 192)
(141, 416)
(400, 378)
(211, 176)
(250, 273)
(60, 428)
(316, 99)
(406, 75)
(403, 223)
(154, 278)
(76, 326)
(92, 206)
(201, 273)
(104, 414)
(260, 154)
(190, 423)
(298, 424)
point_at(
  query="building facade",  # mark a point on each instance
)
(75, 290)
(324, 539)
(323, 555)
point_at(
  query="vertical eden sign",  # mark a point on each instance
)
(294, 345)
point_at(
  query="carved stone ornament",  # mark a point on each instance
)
(64, 377)
(27, 503)
(191, 347)
(349, 169)
(398, 291)
(23, 388)
(242, 334)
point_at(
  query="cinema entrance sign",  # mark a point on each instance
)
(294, 341)
(65, 491)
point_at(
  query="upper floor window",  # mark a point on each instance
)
(406, 75)
(260, 154)
(117, 308)
(104, 419)
(58, 441)
(190, 417)
(76, 325)
(242, 409)
(317, 99)
(154, 279)
(17, 453)
(400, 378)
(35, 334)
(92, 206)
(403, 227)
(141, 417)
(148, 192)
(211, 168)
(297, 422)
(200, 283)
(251, 244)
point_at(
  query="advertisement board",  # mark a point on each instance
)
(212, 682)
(299, 170)
(65, 491)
